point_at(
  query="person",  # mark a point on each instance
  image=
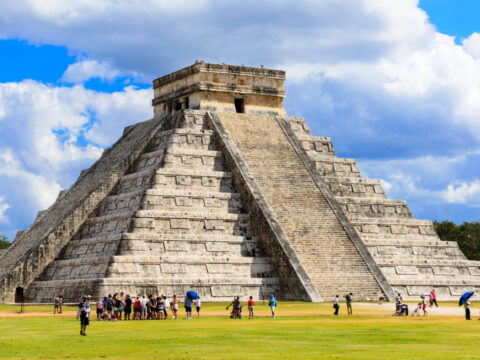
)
(109, 304)
(137, 309)
(198, 305)
(128, 307)
(433, 298)
(466, 305)
(424, 305)
(152, 307)
(166, 306)
(272, 303)
(143, 307)
(417, 309)
(348, 300)
(235, 308)
(99, 309)
(56, 305)
(60, 305)
(119, 306)
(188, 307)
(84, 314)
(336, 305)
(175, 302)
(251, 304)
(160, 308)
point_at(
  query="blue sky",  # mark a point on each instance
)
(395, 84)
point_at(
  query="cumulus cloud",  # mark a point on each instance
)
(49, 133)
(84, 70)
(462, 192)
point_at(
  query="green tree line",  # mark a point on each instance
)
(4, 243)
(467, 235)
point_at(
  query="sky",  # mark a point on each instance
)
(394, 83)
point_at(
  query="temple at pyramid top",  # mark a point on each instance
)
(220, 87)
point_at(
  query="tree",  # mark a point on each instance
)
(4, 243)
(466, 235)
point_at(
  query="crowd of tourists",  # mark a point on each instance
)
(151, 307)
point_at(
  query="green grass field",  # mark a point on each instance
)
(300, 331)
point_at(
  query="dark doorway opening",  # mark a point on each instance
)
(19, 295)
(239, 105)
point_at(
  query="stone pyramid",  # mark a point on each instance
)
(224, 194)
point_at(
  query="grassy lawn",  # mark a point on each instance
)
(301, 330)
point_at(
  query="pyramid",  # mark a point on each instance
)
(223, 193)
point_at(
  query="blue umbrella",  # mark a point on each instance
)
(465, 297)
(192, 295)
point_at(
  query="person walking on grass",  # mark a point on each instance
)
(166, 306)
(188, 307)
(433, 298)
(348, 300)
(143, 308)
(424, 305)
(251, 304)
(128, 307)
(56, 305)
(100, 307)
(84, 315)
(336, 305)
(175, 302)
(60, 305)
(198, 306)
(466, 305)
(272, 303)
(236, 308)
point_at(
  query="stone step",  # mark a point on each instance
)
(417, 261)
(433, 281)
(317, 145)
(183, 199)
(121, 202)
(194, 159)
(333, 166)
(150, 159)
(414, 238)
(355, 187)
(425, 252)
(376, 207)
(163, 259)
(161, 221)
(194, 180)
(391, 226)
(185, 137)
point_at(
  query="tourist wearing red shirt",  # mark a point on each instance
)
(251, 304)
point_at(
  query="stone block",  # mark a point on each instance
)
(179, 223)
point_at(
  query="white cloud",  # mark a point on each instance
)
(462, 192)
(3, 208)
(48, 134)
(472, 45)
(84, 70)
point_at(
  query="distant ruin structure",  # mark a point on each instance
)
(223, 193)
